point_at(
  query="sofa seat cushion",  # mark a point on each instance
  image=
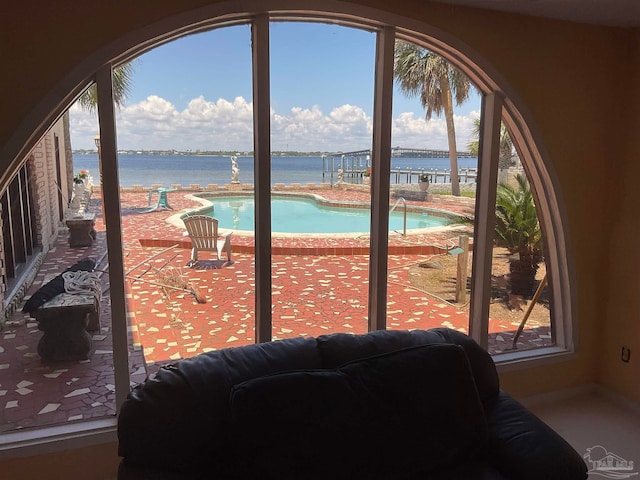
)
(397, 415)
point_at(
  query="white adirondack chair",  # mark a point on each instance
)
(203, 231)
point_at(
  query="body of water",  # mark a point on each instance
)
(147, 170)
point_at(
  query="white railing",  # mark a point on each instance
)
(404, 203)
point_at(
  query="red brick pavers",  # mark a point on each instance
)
(35, 394)
(312, 295)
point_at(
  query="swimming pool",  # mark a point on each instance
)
(302, 215)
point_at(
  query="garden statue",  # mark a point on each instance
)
(340, 176)
(80, 194)
(235, 171)
(74, 206)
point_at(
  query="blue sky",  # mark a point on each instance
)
(195, 93)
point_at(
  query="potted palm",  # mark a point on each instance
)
(81, 177)
(518, 230)
(423, 181)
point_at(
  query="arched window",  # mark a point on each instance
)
(549, 336)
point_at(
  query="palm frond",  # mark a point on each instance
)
(122, 81)
(517, 227)
(420, 72)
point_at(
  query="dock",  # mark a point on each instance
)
(355, 164)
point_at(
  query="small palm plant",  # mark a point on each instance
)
(518, 230)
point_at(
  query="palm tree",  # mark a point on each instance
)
(518, 230)
(121, 86)
(505, 159)
(421, 72)
(88, 101)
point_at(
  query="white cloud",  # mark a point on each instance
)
(155, 123)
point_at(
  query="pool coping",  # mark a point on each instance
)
(308, 250)
(356, 243)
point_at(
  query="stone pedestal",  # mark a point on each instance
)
(64, 321)
(82, 231)
(408, 194)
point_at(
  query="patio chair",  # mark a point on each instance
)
(203, 231)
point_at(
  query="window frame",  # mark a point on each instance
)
(20, 241)
(500, 104)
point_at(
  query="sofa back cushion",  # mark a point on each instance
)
(178, 419)
(339, 348)
(409, 412)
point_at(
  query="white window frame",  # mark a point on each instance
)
(499, 105)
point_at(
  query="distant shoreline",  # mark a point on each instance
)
(222, 153)
(166, 170)
(201, 153)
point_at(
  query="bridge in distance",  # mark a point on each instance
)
(405, 152)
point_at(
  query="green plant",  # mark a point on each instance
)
(366, 173)
(518, 230)
(424, 177)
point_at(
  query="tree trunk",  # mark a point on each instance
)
(506, 153)
(505, 160)
(447, 105)
(522, 273)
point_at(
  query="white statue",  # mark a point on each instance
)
(80, 194)
(75, 207)
(340, 176)
(235, 171)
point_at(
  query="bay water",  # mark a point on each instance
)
(148, 170)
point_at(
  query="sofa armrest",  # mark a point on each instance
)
(523, 447)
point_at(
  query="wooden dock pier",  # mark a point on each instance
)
(355, 164)
(465, 175)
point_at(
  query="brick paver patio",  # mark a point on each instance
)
(312, 295)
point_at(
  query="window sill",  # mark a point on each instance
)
(506, 362)
(38, 441)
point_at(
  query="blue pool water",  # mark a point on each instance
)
(306, 216)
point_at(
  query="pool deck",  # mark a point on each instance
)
(320, 285)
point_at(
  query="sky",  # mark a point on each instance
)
(195, 93)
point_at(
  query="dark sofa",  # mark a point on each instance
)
(383, 405)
